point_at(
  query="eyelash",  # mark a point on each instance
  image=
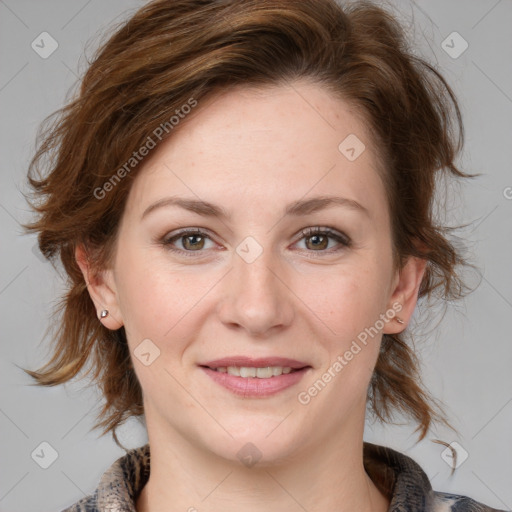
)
(305, 233)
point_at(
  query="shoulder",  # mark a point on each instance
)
(407, 486)
(120, 484)
(87, 504)
(445, 502)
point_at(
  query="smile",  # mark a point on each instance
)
(265, 372)
(252, 382)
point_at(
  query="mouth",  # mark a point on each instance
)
(265, 372)
(256, 378)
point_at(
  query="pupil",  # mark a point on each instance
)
(318, 241)
(191, 241)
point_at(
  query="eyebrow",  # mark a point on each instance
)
(297, 208)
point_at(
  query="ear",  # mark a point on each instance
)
(101, 288)
(406, 286)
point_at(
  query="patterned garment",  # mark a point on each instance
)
(400, 478)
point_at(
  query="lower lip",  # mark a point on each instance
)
(252, 387)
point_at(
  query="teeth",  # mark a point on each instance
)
(250, 371)
(246, 372)
(264, 373)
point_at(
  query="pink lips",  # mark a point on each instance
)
(254, 387)
(250, 362)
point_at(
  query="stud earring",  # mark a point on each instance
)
(399, 320)
(104, 313)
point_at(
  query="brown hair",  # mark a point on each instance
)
(171, 52)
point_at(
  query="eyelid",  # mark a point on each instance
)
(341, 238)
(327, 231)
(187, 231)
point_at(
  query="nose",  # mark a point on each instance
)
(256, 297)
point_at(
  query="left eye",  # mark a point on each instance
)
(318, 239)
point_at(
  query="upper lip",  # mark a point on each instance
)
(250, 362)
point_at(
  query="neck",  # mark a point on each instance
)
(330, 476)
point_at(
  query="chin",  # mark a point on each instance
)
(263, 441)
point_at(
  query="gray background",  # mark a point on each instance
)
(467, 360)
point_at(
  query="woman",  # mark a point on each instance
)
(241, 196)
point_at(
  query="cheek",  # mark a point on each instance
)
(151, 297)
(159, 305)
(349, 305)
(163, 302)
(348, 310)
(346, 301)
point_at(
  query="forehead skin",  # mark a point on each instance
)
(253, 151)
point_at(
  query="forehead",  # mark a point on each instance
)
(257, 144)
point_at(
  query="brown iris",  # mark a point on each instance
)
(193, 242)
(321, 241)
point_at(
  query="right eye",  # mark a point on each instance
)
(191, 240)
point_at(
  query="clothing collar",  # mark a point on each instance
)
(397, 476)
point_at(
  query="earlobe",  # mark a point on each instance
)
(101, 288)
(405, 294)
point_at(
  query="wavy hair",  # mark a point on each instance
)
(169, 52)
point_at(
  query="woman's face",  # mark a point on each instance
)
(257, 177)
